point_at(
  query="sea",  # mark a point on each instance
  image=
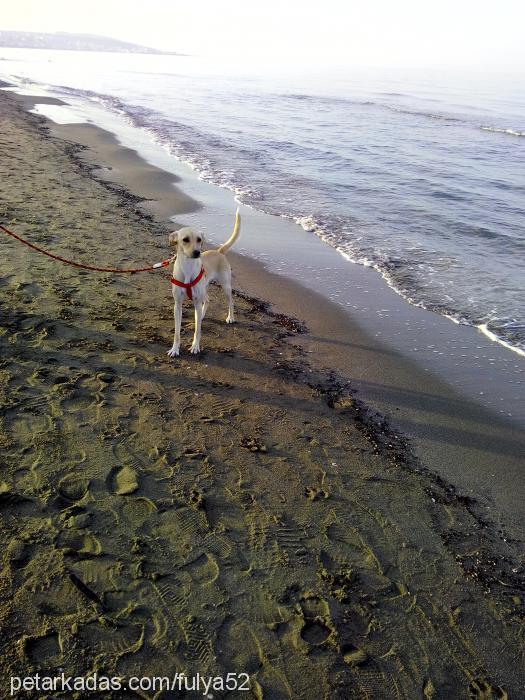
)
(417, 174)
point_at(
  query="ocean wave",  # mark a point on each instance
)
(498, 130)
(394, 94)
(398, 274)
(329, 100)
(420, 113)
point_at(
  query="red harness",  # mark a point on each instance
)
(188, 285)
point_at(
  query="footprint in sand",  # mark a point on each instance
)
(313, 606)
(73, 486)
(481, 689)
(138, 510)
(37, 339)
(58, 596)
(17, 552)
(80, 543)
(354, 656)
(257, 606)
(315, 632)
(198, 647)
(203, 570)
(270, 682)
(77, 402)
(123, 480)
(111, 641)
(44, 651)
(317, 626)
(239, 646)
(13, 503)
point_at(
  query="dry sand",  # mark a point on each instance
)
(233, 512)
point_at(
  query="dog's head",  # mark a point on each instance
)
(187, 242)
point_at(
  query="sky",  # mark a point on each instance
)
(441, 33)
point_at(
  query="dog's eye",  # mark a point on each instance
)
(199, 240)
(186, 240)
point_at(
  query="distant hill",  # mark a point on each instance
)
(73, 42)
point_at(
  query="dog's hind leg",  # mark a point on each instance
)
(196, 345)
(177, 317)
(230, 318)
(225, 280)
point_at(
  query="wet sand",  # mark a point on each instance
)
(234, 512)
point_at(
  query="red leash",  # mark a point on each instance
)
(188, 285)
(164, 263)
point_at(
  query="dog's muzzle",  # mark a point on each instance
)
(196, 254)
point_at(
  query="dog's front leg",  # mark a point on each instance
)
(177, 317)
(205, 305)
(199, 309)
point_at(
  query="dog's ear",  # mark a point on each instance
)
(173, 239)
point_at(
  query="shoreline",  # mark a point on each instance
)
(467, 356)
(110, 121)
(457, 438)
(250, 469)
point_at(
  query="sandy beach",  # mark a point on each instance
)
(235, 512)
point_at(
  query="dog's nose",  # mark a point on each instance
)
(196, 253)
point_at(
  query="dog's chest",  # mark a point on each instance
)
(186, 275)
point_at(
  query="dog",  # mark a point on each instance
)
(193, 270)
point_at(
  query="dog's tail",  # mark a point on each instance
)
(235, 235)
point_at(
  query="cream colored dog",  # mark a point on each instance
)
(193, 270)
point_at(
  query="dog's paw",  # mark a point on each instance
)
(230, 319)
(195, 348)
(173, 352)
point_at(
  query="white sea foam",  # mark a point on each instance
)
(308, 223)
(510, 132)
(60, 114)
(483, 327)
